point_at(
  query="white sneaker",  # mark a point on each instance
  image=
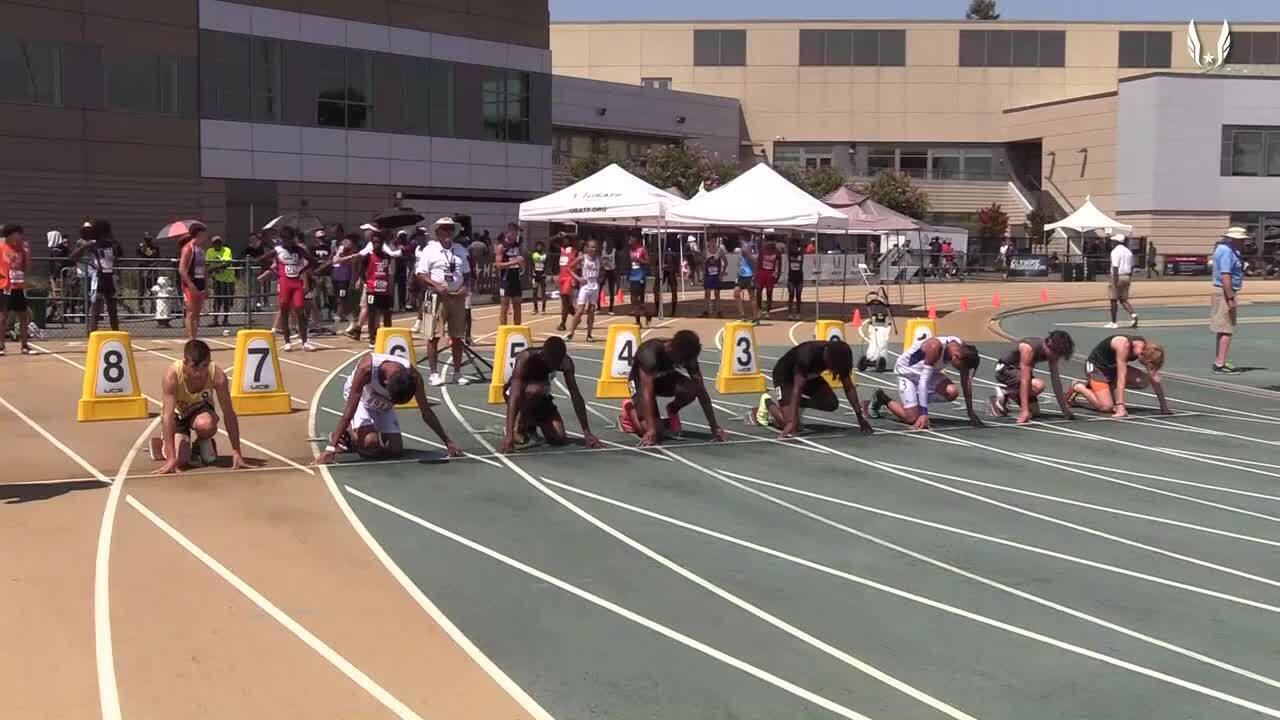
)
(307, 346)
(463, 379)
(436, 380)
(417, 327)
(1133, 321)
(288, 347)
(1111, 326)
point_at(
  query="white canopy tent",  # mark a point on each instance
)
(759, 198)
(1087, 218)
(612, 196)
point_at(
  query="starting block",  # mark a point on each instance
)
(739, 365)
(619, 353)
(828, 330)
(110, 390)
(397, 341)
(512, 340)
(257, 385)
(918, 329)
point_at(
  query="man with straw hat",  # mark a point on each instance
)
(1228, 279)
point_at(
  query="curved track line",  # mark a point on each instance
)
(108, 689)
(499, 677)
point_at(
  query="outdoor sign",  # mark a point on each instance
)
(1027, 266)
(1208, 59)
(1186, 264)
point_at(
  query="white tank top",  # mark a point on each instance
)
(591, 272)
(913, 358)
(291, 262)
(375, 396)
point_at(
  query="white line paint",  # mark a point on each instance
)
(75, 457)
(662, 324)
(1160, 422)
(1190, 322)
(619, 446)
(736, 433)
(429, 443)
(108, 689)
(948, 608)
(319, 646)
(616, 609)
(987, 538)
(433, 611)
(1161, 478)
(282, 356)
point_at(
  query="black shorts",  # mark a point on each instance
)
(795, 279)
(745, 283)
(537, 409)
(13, 301)
(663, 385)
(105, 286)
(1010, 376)
(379, 301)
(187, 418)
(540, 279)
(511, 286)
(637, 291)
(814, 389)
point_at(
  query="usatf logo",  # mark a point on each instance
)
(1215, 59)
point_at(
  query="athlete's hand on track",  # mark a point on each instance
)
(169, 468)
(1024, 417)
(237, 460)
(975, 421)
(507, 445)
(591, 441)
(718, 434)
(453, 450)
(1120, 411)
(649, 439)
(921, 423)
(790, 430)
(865, 425)
(326, 457)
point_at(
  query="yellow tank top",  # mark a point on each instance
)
(186, 399)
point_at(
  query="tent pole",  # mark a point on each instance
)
(657, 284)
(817, 277)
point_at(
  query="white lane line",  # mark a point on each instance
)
(991, 539)
(715, 589)
(619, 446)
(108, 690)
(75, 457)
(319, 646)
(616, 609)
(1068, 467)
(662, 324)
(281, 356)
(429, 443)
(1056, 521)
(1161, 478)
(1105, 508)
(500, 678)
(1160, 422)
(785, 443)
(951, 609)
(791, 333)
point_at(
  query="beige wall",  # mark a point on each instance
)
(1173, 233)
(931, 99)
(1065, 129)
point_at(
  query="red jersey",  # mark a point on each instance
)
(377, 273)
(769, 259)
(13, 267)
(567, 256)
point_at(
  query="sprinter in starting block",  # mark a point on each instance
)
(530, 407)
(189, 387)
(1015, 380)
(1110, 373)
(666, 367)
(369, 425)
(920, 378)
(800, 384)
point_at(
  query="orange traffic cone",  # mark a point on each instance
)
(933, 312)
(601, 299)
(857, 317)
(995, 300)
(618, 299)
(1044, 295)
(964, 303)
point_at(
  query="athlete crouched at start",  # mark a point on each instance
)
(369, 425)
(530, 407)
(920, 379)
(666, 367)
(1015, 375)
(800, 384)
(1109, 376)
(189, 386)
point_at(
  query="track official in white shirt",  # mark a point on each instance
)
(448, 275)
(1121, 274)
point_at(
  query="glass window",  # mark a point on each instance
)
(719, 47)
(141, 82)
(416, 96)
(581, 146)
(30, 72)
(442, 99)
(979, 166)
(562, 148)
(1246, 152)
(839, 48)
(1053, 48)
(1133, 49)
(1241, 51)
(656, 82)
(973, 48)
(914, 163)
(1159, 49)
(881, 159)
(733, 47)
(1026, 48)
(999, 48)
(706, 47)
(504, 97)
(893, 47)
(1273, 153)
(231, 76)
(267, 79)
(813, 47)
(866, 47)
(1266, 48)
(345, 83)
(946, 166)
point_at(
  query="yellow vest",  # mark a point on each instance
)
(226, 275)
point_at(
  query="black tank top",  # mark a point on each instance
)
(1103, 356)
(536, 367)
(1014, 355)
(509, 253)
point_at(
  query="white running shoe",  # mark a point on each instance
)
(308, 347)
(437, 379)
(463, 379)
(288, 347)
(417, 326)
(1111, 326)
(1133, 321)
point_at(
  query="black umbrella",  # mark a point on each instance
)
(305, 223)
(395, 217)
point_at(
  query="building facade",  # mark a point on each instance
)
(143, 111)
(1027, 114)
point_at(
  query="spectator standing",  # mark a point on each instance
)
(254, 254)
(448, 275)
(191, 272)
(1228, 280)
(509, 261)
(103, 253)
(402, 268)
(479, 251)
(1121, 275)
(341, 274)
(218, 258)
(15, 260)
(609, 270)
(321, 277)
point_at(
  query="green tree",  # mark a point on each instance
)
(895, 191)
(982, 10)
(1036, 220)
(818, 182)
(993, 222)
(684, 167)
(588, 166)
